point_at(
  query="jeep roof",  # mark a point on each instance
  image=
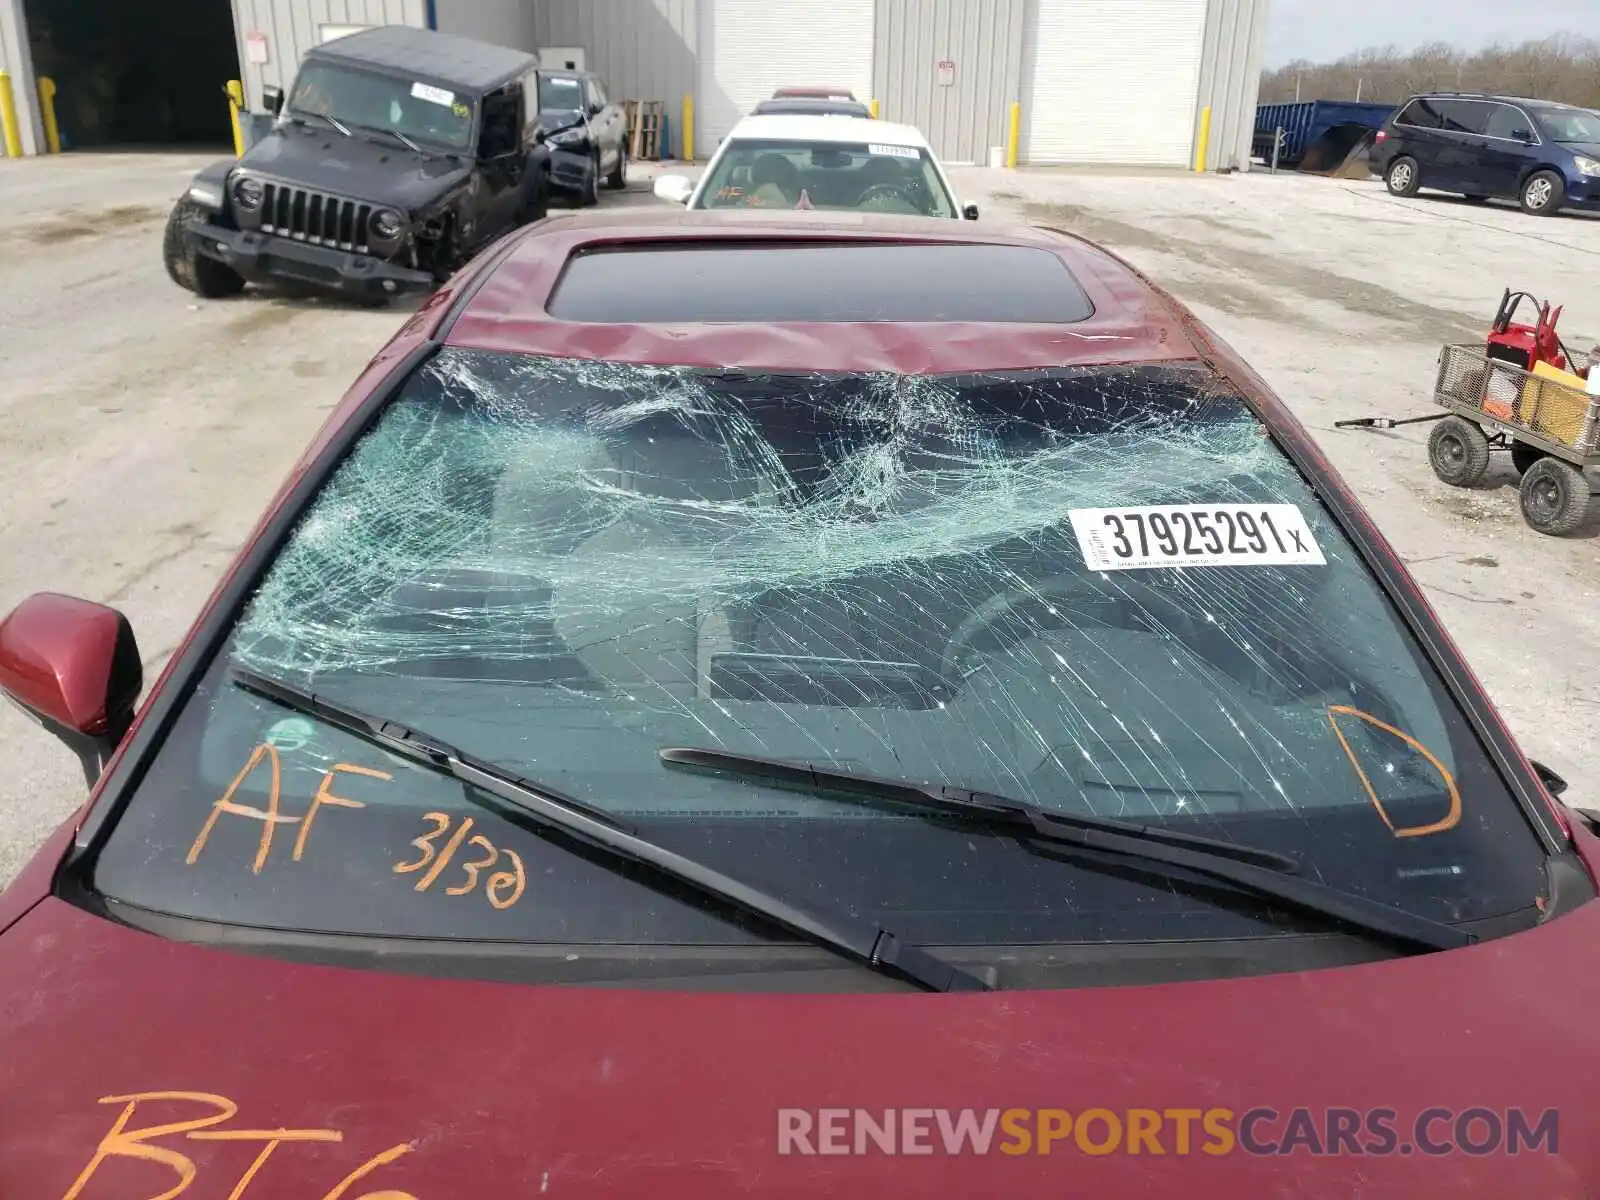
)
(463, 63)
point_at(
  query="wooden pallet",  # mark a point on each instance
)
(644, 129)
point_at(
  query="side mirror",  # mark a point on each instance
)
(73, 666)
(1553, 783)
(1523, 135)
(272, 97)
(970, 212)
(676, 188)
(595, 110)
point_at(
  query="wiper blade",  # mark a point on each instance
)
(1260, 873)
(871, 946)
(334, 121)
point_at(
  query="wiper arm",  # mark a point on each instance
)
(871, 946)
(1260, 873)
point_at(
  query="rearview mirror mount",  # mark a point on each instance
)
(676, 188)
(73, 666)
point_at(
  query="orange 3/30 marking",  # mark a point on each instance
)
(140, 1145)
(504, 887)
(1449, 821)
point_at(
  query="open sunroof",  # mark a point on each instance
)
(740, 283)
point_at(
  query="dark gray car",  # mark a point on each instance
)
(588, 134)
(396, 156)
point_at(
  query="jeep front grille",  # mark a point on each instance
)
(314, 217)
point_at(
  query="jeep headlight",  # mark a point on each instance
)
(1586, 166)
(387, 224)
(247, 193)
(569, 137)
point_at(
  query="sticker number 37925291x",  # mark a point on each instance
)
(1195, 535)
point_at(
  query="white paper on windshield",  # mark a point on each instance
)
(433, 95)
(1195, 535)
(897, 151)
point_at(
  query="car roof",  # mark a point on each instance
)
(812, 90)
(781, 127)
(508, 310)
(809, 106)
(424, 54)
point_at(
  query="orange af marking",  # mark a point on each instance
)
(269, 819)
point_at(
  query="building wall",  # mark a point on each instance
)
(293, 28)
(503, 22)
(641, 49)
(983, 38)
(1230, 78)
(16, 61)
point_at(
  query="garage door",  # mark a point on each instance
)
(750, 47)
(1112, 81)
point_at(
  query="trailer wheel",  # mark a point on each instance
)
(1403, 178)
(1458, 452)
(1523, 456)
(1555, 496)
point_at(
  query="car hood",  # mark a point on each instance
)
(1588, 149)
(433, 1088)
(557, 119)
(357, 167)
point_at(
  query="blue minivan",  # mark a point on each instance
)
(1544, 155)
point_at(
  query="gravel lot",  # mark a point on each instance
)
(142, 431)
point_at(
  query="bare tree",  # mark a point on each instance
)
(1563, 67)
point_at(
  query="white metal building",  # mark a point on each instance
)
(1099, 81)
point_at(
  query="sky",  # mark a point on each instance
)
(1323, 30)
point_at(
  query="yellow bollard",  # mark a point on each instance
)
(8, 118)
(235, 91)
(47, 109)
(1013, 133)
(688, 129)
(873, 107)
(1203, 142)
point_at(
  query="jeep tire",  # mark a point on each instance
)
(186, 266)
(618, 179)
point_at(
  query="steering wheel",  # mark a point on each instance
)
(889, 191)
(1031, 610)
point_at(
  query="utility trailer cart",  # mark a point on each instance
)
(1549, 427)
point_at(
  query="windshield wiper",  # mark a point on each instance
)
(871, 946)
(334, 121)
(1259, 873)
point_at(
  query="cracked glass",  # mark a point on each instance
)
(563, 566)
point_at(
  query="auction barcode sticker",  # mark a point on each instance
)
(1195, 535)
(434, 95)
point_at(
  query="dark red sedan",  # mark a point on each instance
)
(735, 706)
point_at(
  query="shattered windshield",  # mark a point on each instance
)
(363, 99)
(1100, 590)
(881, 178)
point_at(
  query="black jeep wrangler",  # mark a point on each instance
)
(399, 154)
